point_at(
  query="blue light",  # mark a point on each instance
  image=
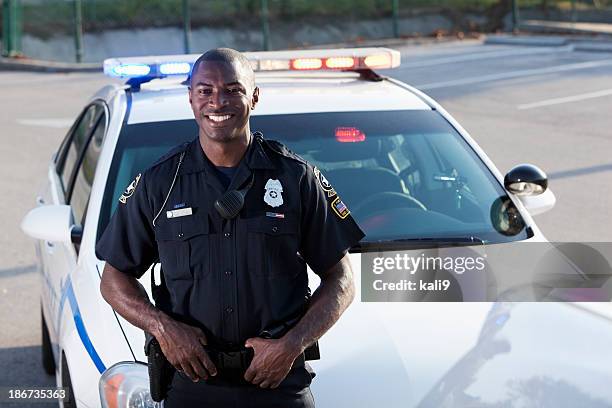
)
(131, 70)
(174, 68)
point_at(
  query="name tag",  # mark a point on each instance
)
(181, 212)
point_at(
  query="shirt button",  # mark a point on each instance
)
(180, 235)
(228, 273)
(227, 235)
(229, 309)
(274, 229)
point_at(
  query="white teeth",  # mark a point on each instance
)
(219, 118)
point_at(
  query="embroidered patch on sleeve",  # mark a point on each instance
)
(325, 184)
(340, 208)
(129, 191)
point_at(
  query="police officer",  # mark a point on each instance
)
(233, 219)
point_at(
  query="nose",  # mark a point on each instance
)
(217, 98)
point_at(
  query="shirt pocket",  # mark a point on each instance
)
(184, 247)
(272, 247)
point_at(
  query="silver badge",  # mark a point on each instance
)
(273, 195)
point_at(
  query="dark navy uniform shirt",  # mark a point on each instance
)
(233, 278)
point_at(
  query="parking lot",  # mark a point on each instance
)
(546, 105)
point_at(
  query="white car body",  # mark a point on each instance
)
(378, 354)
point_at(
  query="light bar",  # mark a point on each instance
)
(342, 59)
(175, 68)
(340, 62)
(300, 64)
(131, 70)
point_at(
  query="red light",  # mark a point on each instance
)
(349, 135)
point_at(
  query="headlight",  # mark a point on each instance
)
(126, 385)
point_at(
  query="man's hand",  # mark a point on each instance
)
(272, 360)
(181, 344)
(183, 347)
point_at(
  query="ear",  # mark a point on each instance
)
(255, 97)
(189, 93)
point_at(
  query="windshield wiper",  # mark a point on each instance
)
(418, 243)
(458, 240)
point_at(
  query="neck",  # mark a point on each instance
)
(226, 154)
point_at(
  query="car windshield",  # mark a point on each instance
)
(406, 176)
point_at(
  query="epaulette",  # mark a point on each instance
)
(279, 148)
(173, 152)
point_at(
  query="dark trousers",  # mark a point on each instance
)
(293, 392)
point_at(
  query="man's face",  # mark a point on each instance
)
(222, 97)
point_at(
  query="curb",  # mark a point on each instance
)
(398, 42)
(29, 65)
(595, 44)
(600, 29)
(509, 39)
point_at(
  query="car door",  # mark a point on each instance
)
(68, 180)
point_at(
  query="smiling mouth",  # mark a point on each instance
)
(218, 118)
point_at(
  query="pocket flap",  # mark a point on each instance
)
(273, 226)
(181, 229)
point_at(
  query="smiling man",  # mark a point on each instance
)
(234, 219)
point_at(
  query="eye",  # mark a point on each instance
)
(204, 91)
(234, 90)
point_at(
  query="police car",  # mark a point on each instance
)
(407, 171)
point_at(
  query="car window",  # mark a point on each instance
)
(403, 174)
(79, 197)
(75, 144)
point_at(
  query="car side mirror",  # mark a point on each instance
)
(526, 180)
(530, 184)
(52, 223)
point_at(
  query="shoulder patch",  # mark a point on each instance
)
(325, 184)
(340, 208)
(129, 191)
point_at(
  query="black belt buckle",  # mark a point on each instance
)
(232, 360)
(232, 365)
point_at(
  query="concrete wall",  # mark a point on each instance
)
(98, 46)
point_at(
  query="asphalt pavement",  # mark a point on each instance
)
(546, 104)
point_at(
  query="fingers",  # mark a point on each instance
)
(251, 371)
(267, 380)
(250, 342)
(199, 369)
(260, 378)
(249, 375)
(185, 367)
(264, 384)
(205, 360)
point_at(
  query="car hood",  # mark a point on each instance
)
(403, 354)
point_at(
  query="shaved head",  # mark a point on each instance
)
(230, 57)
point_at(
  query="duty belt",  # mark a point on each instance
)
(231, 365)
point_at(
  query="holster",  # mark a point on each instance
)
(160, 370)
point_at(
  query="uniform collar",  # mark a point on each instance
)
(256, 157)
